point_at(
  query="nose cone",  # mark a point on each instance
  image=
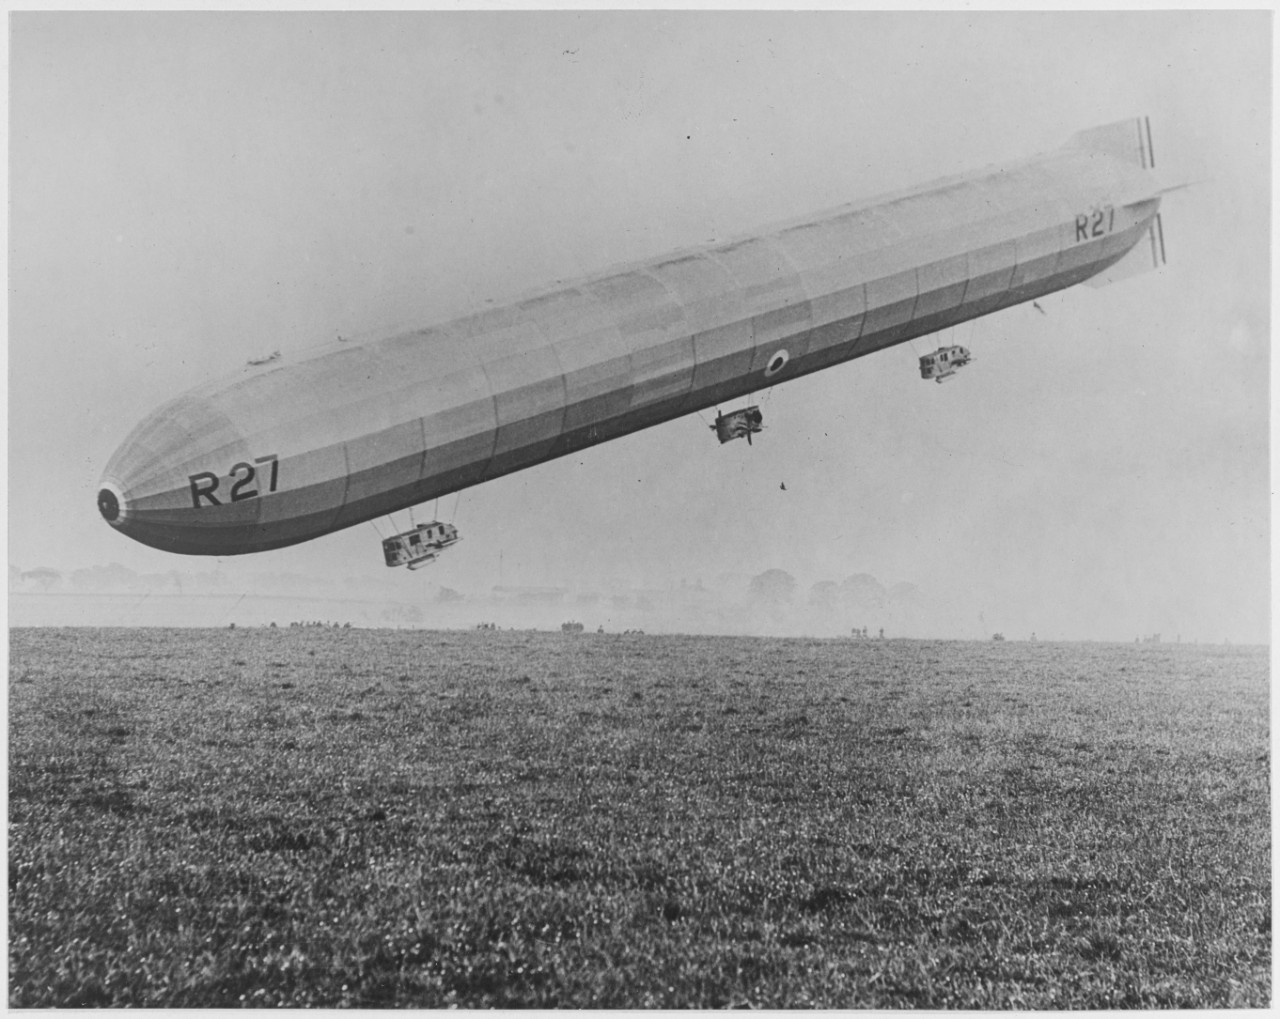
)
(111, 504)
(146, 490)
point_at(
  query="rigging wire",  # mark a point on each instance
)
(242, 597)
(457, 496)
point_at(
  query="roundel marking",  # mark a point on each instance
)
(776, 364)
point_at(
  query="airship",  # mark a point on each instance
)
(289, 449)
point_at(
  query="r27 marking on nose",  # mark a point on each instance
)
(204, 484)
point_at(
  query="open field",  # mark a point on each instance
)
(325, 817)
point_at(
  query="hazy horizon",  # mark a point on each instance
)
(191, 190)
(771, 604)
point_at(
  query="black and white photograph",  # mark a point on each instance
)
(640, 509)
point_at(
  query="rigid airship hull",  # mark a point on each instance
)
(288, 451)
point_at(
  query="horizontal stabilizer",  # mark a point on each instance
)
(1128, 140)
(1144, 256)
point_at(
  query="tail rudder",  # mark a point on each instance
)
(1146, 255)
(1127, 140)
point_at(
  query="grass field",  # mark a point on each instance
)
(374, 818)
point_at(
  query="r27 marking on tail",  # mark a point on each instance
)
(1090, 224)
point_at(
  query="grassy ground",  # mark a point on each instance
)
(320, 817)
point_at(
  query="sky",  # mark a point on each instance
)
(188, 191)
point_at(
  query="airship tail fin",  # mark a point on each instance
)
(1144, 256)
(1128, 140)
